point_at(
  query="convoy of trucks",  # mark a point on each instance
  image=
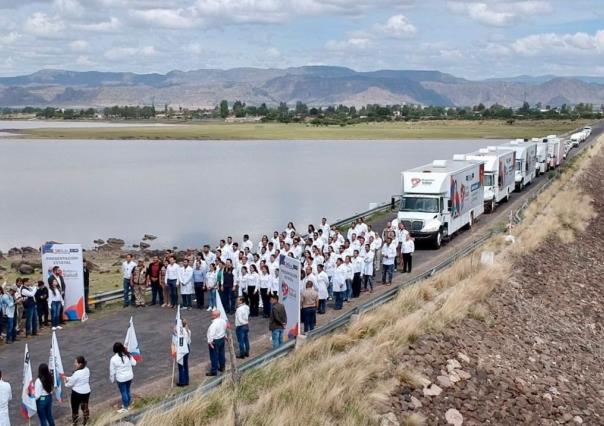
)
(445, 196)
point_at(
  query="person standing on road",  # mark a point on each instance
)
(368, 268)
(339, 283)
(55, 301)
(139, 283)
(172, 272)
(9, 309)
(154, 281)
(185, 278)
(228, 287)
(322, 285)
(6, 395)
(165, 290)
(43, 394)
(212, 286)
(42, 304)
(309, 299)
(401, 236)
(79, 382)
(277, 321)
(28, 294)
(349, 277)
(183, 370)
(357, 274)
(120, 371)
(408, 249)
(216, 337)
(265, 290)
(388, 259)
(127, 266)
(242, 328)
(199, 282)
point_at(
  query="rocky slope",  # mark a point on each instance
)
(533, 354)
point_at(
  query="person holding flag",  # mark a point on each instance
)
(183, 368)
(28, 397)
(120, 371)
(56, 366)
(131, 343)
(79, 382)
(180, 347)
(43, 395)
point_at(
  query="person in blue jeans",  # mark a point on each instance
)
(8, 300)
(120, 371)
(43, 394)
(216, 337)
(277, 321)
(127, 267)
(242, 328)
(28, 293)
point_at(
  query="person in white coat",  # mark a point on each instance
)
(339, 283)
(6, 395)
(120, 371)
(187, 288)
(368, 268)
(388, 259)
(79, 382)
(322, 281)
(408, 249)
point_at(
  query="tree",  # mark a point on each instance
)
(224, 109)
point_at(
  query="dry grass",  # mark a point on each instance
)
(348, 377)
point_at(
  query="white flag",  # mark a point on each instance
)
(28, 398)
(131, 342)
(220, 308)
(55, 364)
(180, 346)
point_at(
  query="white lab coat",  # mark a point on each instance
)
(5, 396)
(368, 263)
(322, 284)
(185, 277)
(339, 278)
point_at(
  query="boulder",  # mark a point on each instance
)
(99, 242)
(116, 242)
(454, 417)
(26, 269)
(29, 250)
(432, 390)
(144, 245)
(15, 251)
(135, 246)
(149, 237)
(444, 381)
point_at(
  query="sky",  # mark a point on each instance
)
(474, 39)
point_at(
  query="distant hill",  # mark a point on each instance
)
(313, 85)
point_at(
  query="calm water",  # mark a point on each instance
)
(39, 124)
(189, 192)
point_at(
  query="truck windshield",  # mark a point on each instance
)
(488, 179)
(419, 204)
(519, 165)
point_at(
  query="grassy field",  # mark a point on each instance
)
(394, 130)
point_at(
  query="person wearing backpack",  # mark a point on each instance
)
(28, 293)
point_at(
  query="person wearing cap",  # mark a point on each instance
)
(139, 283)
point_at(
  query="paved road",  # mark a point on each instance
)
(94, 338)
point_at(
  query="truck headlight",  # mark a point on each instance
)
(432, 226)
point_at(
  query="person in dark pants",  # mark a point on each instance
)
(227, 294)
(86, 275)
(309, 299)
(154, 281)
(79, 382)
(216, 341)
(28, 293)
(183, 370)
(57, 274)
(42, 304)
(357, 270)
(408, 249)
(277, 321)
(199, 282)
(128, 266)
(242, 329)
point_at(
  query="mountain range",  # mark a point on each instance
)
(313, 85)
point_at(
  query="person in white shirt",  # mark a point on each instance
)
(408, 249)
(28, 295)
(55, 301)
(339, 283)
(216, 337)
(212, 286)
(253, 290)
(172, 275)
(357, 272)
(330, 269)
(120, 371)
(275, 283)
(247, 243)
(208, 256)
(79, 382)
(242, 329)
(43, 394)
(6, 395)
(127, 266)
(322, 286)
(376, 247)
(183, 369)
(349, 277)
(265, 290)
(401, 236)
(368, 268)
(325, 228)
(185, 279)
(388, 259)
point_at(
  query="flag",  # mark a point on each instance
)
(220, 308)
(55, 364)
(179, 345)
(28, 398)
(131, 342)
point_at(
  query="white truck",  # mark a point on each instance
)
(526, 162)
(499, 177)
(577, 138)
(542, 160)
(440, 198)
(587, 131)
(555, 150)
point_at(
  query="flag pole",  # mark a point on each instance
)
(234, 376)
(173, 367)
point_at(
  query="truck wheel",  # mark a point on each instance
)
(507, 197)
(492, 206)
(438, 240)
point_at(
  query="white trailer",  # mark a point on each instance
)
(542, 163)
(499, 177)
(526, 162)
(555, 150)
(577, 138)
(440, 198)
(587, 131)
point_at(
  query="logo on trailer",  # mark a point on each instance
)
(415, 182)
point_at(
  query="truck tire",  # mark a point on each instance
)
(492, 206)
(438, 240)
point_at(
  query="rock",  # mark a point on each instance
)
(424, 382)
(2, 268)
(463, 375)
(29, 250)
(432, 390)
(15, 251)
(539, 341)
(578, 420)
(547, 396)
(444, 381)
(416, 403)
(389, 420)
(115, 242)
(149, 237)
(454, 417)
(144, 245)
(453, 364)
(463, 357)
(99, 242)
(135, 246)
(567, 417)
(26, 269)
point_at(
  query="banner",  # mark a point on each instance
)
(55, 364)
(28, 398)
(131, 342)
(289, 293)
(68, 257)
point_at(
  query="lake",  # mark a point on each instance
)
(191, 192)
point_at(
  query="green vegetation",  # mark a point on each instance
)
(433, 129)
